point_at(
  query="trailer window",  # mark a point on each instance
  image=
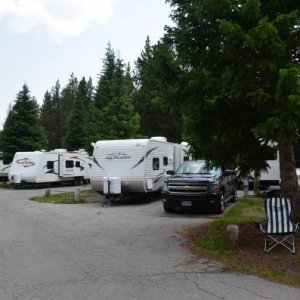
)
(155, 163)
(185, 158)
(77, 164)
(297, 157)
(69, 164)
(165, 161)
(272, 156)
(50, 164)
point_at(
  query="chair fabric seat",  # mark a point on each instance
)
(278, 228)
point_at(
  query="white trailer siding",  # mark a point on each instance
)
(122, 158)
(272, 175)
(42, 167)
(155, 168)
(133, 161)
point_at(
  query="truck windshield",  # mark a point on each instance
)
(195, 167)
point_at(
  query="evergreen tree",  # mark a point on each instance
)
(156, 120)
(103, 90)
(239, 80)
(118, 117)
(87, 92)
(113, 115)
(76, 133)
(92, 127)
(52, 117)
(66, 103)
(22, 130)
(46, 117)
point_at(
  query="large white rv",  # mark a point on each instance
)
(49, 167)
(4, 169)
(134, 165)
(271, 177)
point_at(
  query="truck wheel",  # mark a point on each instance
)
(169, 209)
(220, 205)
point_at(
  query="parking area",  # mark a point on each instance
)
(127, 251)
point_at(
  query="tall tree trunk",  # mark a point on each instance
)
(288, 176)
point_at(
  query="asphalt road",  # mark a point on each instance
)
(128, 251)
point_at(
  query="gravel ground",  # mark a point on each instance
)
(126, 251)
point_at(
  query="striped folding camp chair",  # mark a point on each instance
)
(278, 228)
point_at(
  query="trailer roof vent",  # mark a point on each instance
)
(184, 144)
(59, 150)
(159, 138)
(81, 151)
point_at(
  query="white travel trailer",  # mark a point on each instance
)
(134, 165)
(57, 165)
(271, 177)
(4, 169)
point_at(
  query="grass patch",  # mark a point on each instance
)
(278, 265)
(282, 276)
(4, 185)
(64, 198)
(214, 242)
(244, 212)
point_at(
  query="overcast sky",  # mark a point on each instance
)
(46, 40)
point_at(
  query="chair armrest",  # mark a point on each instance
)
(261, 225)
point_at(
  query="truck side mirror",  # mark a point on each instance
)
(229, 172)
(170, 172)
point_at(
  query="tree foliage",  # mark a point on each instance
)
(239, 80)
(76, 127)
(156, 119)
(52, 117)
(233, 57)
(114, 116)
(22, 130)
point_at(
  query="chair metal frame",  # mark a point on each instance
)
(278, 228)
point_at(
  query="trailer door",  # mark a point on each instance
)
(66, 166)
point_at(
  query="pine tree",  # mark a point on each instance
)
(119, 117)
(68, 98)
(116, 116)
(22, 129)
(103, 90)
(155, 119)
(46, 117)
(76, 133)
(52, 117)
(239, 82)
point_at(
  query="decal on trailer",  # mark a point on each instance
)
(143, 158)
(25, 162)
